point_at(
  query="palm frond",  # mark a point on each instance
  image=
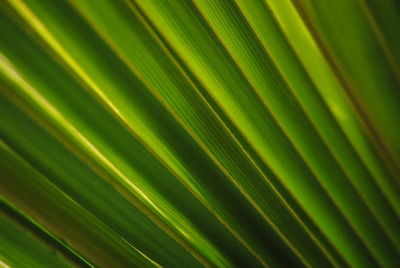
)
(214, 133)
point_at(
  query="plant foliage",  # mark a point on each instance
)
(200, 133)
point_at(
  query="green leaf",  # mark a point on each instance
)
(215, 133)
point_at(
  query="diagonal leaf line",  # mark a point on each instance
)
(75, 67)
(165, 43)
(344, 137)
(80, 140)
(381, 39)
(5, 147)
(328, 147)
(305, 162)
(112, 46)
(74, 256)
(294, 144)
(379, 144)
(199, 197)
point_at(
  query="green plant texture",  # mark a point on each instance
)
(199, 133)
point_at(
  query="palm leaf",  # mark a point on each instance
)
(225, 133)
